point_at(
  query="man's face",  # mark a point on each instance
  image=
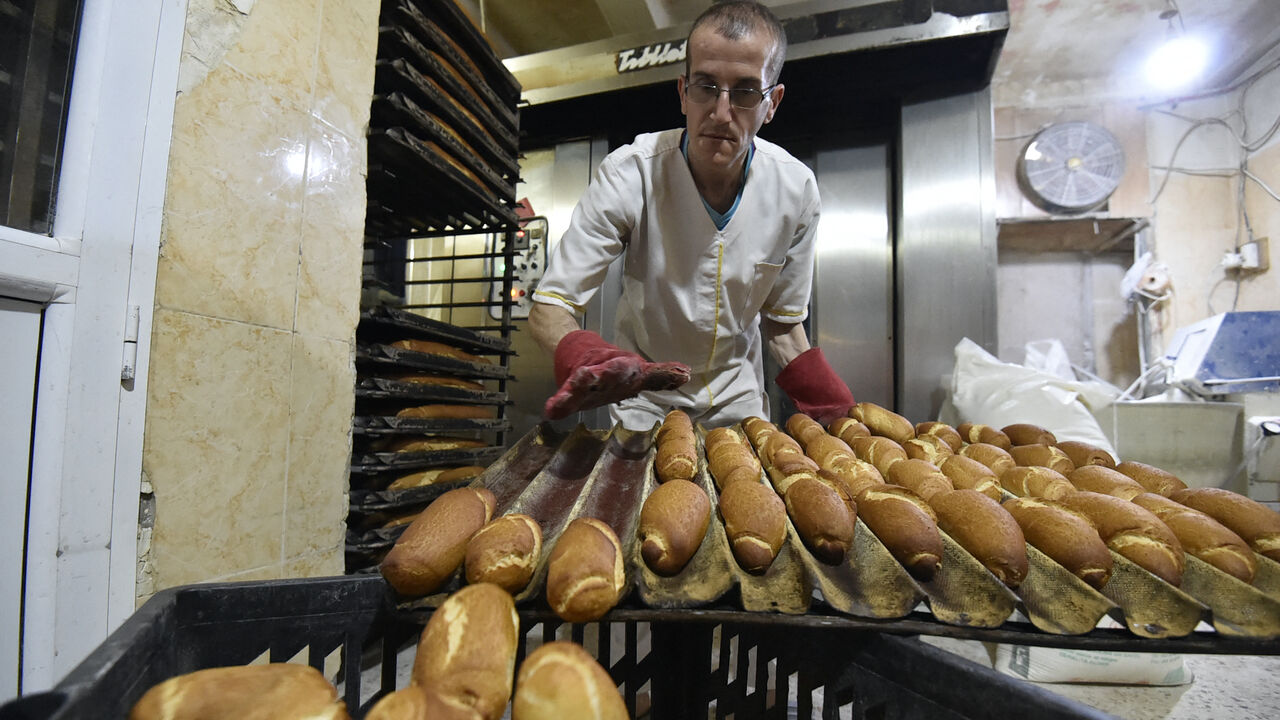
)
(720, 134)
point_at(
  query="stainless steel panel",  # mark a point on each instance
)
(851, 312)
(946, 249)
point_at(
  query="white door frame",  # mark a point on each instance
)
(87, 447)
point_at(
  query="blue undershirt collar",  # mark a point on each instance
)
(721, 219)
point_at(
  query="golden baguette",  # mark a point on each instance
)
(927, 447)
(274, 690)
(804, 428)
(985, 530)
(821, 518)
(755, 520)
(1204, 537)
(1082, 453)
(882, 421)
(1028, 434)
(1152, 478)
(846, 428)
(1096, 478)
(1134, 532)
(996, 458)
(585, 573)
(920, 477)
(1042, 455)
(979, 433)
(906, 525)
(435, 543)
(1035, 481)
(943, 432)
(1066, 536)
(467, 652)
(431, 347)
(1256, 523)
(879, 451)
(969, 474)
(504, 552)
(561, 681)
(673, 521)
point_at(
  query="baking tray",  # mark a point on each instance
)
(386, 323)
(460, 30)
(372, 463)
(375, 388)
(379, 354)
(410, 19)
(598, 473)
(383, 426)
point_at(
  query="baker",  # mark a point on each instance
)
(717, 228)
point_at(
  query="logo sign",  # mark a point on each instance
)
(647, 56)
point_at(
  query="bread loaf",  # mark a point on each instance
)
(928, 448)
(428, 443)
(673, 521)
(755, 519)
(467, 652)
(1203, 536)
(1256, 523)
(777, 443)
(879, 451)
(1096, 478)
(407, 703)
(1152, 478)
(979, 433)
(434, 545)
(431, 347)
(1042, 455)
(906, 525)
(465, 412)
(804, 428)
(676, 424)
(943, 432)
(829, 451)
(436, 476)
(784, 475)
(969, 474)
(1035, 481)
(846, 428)
(276, 691)
(822, 519)
(883, 422)
(993, 457)
(585, 575)
(855, 478)
(438, 381)
(505, 552)
(758, 431)
(842, 489)
(920, 477)
(561, 681)
(1134, 532)
(1028, 434)
(732, 463)
(1082, 453)
(677, 459)
(724, 437)
(1067, 537)
(985, 530)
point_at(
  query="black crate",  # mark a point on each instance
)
(668, 664)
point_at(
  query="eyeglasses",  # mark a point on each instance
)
(741, 98)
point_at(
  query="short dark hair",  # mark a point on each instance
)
(734, 20)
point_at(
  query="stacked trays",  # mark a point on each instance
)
(393, 379)
(557, 477)
(443, 137)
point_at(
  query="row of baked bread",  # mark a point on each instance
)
(464, 667)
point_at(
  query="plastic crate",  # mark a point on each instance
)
(671, 664)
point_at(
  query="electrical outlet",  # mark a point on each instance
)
(1256, 255)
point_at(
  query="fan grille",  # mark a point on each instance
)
(1071, 167)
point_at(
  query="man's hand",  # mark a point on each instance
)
(815, 388)
(591, 373)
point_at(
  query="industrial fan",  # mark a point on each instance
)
(1071, 167)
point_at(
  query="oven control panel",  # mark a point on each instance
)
(529, 262)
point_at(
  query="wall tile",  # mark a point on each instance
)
(277, 46)
(332, 235)
(234, 203)
(345, 64)
(325, 563)
(215, 445)
(321, 403)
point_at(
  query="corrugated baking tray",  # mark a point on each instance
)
(381, 426)
(374, 388)
(401, 359)
(387, 323)
(455, 24)
(369, 463)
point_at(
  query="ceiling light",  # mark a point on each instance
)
(1177, 62)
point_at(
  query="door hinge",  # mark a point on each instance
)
(129, 364)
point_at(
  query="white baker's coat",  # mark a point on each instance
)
(691, 293)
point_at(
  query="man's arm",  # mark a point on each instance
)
(549, 324)
(785, 340)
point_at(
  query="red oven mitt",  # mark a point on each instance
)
(591, 373)
(814, 387)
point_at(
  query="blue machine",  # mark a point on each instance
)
(1235, 352)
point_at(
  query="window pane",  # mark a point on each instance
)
(37, 52)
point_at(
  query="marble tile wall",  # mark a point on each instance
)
(257, 293)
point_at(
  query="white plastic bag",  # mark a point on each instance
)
(986, 390)
(1058, 665)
